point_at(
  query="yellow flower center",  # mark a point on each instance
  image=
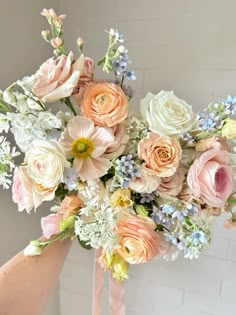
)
(82, 148)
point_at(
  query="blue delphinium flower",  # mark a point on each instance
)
(126, 169)
(230, 105)
(147, 198)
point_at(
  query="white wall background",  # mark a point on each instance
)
(185, 45)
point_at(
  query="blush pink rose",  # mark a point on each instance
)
(51, 225)
(161, 154)
(215, 142)
(28, 194)
(211, 178)
(146, 183)
(138, 241)
(172, 185)
(57, 78)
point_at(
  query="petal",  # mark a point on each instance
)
(80, 126)
(94, 168)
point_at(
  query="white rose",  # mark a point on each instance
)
(166, 114)
(46, 162)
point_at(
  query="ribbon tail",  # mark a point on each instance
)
(97, 285)
(116, 297)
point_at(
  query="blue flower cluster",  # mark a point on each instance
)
(126, 169)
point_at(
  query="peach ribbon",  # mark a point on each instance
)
(116, 291)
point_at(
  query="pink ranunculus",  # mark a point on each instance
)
(57, 78)
(87, 143)
(87, 74)
(117, 147)
(211, 178)
(146, 183)
(215, 142)
(51, 224)
(138, 241)
(22, 190)
(172, 185)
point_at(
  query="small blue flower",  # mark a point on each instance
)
(192, 209)
(147, 198)
(167, 209)
(198, 237)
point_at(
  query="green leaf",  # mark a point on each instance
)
(84, 244)
(101, 61)
(232, 201)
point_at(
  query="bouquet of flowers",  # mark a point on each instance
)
(137, 187)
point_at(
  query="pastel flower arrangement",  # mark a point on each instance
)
(137, 187)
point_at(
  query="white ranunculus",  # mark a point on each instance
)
(46, 162)
(166, 114)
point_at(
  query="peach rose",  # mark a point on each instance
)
(215, 142)
(161, 154)
(138, 241)
(105, 104)
(211, 178)
(117, 147)
(172, 185)
(57, 78)
(70, 205)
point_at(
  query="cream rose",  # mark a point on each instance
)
(46, 162)
(166, 114)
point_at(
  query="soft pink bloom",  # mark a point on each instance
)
(51, 224)
(117, 147)
(146, 183)
(57, 78)
(211, 178)
(56, 42)
(79, 91)
(215, 142)
(86, 143)
(161, 154)
(87, 74)
(70, 205)
(26, 193)
(138, 241)
(105, 103)
(172, 185)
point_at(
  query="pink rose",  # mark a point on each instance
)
(172, 185)
(215, 142)
(138, 241)
(22, 191)
(146, 183)
(51, 224)
(117, 147)
(161, 154)
(28, 194)
(211, 178)
(57, 78)
(87, 73)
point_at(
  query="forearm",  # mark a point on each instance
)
(27, 282)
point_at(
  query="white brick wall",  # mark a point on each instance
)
(188, 46)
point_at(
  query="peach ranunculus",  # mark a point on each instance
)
(57, 78)
(26, 193)
(117, 147)
(172, 185)
(86, 143)
(215, 142)
(51, 224)
(146, 183)
(211, 178)
(138, 241)
(105, 103)
(70, 205)
(161, 154)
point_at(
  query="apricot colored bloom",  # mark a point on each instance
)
(105, 103)
(138, 241)
(161, 154)
(215, 142)
(70, 205)
(86, 144)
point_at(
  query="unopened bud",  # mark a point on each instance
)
(56, 42)
(45, 34)
(80, 43)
